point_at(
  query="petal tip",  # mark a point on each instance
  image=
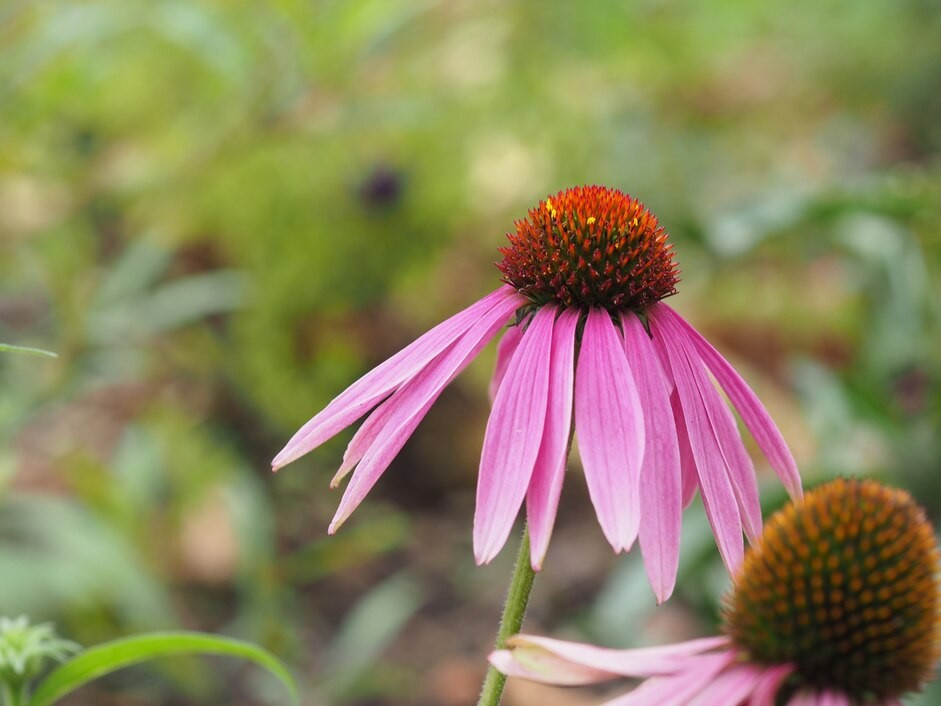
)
(338, 521)
(284, 457)
(485, 556)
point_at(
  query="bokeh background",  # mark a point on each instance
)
(221, 213)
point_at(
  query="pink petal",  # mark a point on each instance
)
(542, 498)
(653, 692)
(362, 395)
(740, 466)
(513, 437)
(689, 474)
(408, 406)
(542, 666)
(717, 492)
(676, 690)
(642, 662)
(736, 458)
(753, 413)
(730, 688)
(766, 690)
(610, 427)
(832, 698)
(505, 350)
(660, 476)
(368, 432)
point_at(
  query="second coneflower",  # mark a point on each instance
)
(838, 604)
(592, 346)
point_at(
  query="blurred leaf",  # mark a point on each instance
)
(169, 306)
(55, 554)
(131, 274)
(7, 348)
(103, 659)
(369, 628)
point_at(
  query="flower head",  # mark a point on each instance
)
(590, 246)
(838, 604)
(591, 346)
(844, 586)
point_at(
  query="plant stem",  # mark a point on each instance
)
(517, 598)
(14, 695)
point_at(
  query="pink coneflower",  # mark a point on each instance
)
(592, 344)
(836, 605)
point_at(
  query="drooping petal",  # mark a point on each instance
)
(641, 662)
(610, 427)
(408, 406)
(753, 413)
(717, 493)
(737, 461)
(766, 689)
(741, 469)
(368, 432)
(513, 436)
(687, 460)
(653, 692)
(542, 497)
(679, 689)
(505, 350)
(660, 476)
(542, 666)
(730, 688)
(362, 395)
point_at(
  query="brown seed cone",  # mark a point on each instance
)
(844, 585)
(590, 246)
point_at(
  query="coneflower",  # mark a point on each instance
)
(590, 345)
(838, 604)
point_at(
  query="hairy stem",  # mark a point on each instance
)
(517, 598)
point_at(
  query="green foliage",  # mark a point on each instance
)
(103, 659)
(25, 649)
(219, 214)
(8, 348)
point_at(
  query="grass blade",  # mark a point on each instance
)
(8, 348)
(110, 656)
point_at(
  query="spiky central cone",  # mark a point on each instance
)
(843, 585)
(590, 246)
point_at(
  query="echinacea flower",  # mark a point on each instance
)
(838, 604)
(590, 344)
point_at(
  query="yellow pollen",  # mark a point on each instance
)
(550, 208)
(590, 220)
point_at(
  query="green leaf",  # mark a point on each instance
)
(110, 656)
(7, 348)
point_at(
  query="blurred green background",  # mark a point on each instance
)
(221, 213)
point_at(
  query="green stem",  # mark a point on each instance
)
(15, 695)
(517, 598)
